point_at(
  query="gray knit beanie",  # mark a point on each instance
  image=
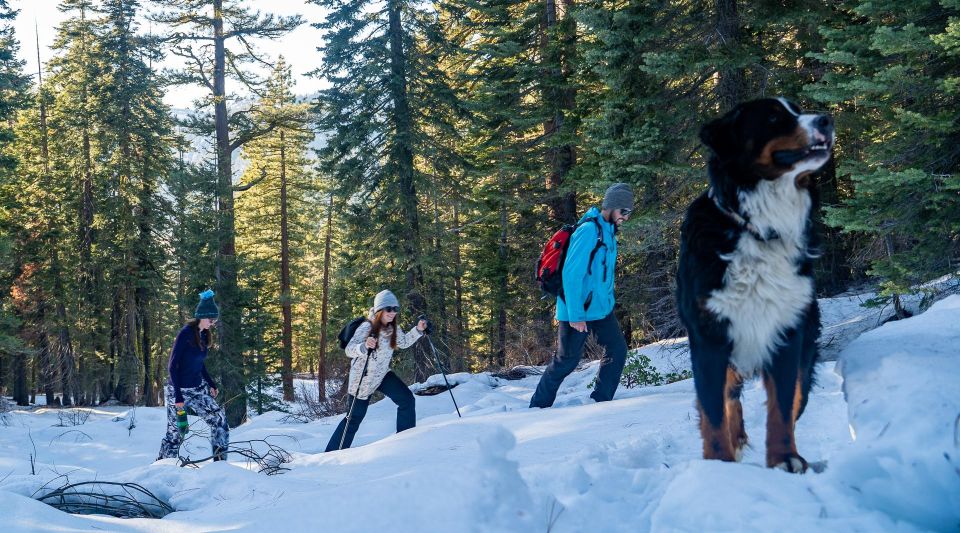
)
(384, 298)
(618, 196)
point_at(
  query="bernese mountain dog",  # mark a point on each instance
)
(745, 287)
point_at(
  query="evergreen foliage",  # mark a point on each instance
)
(214, 38)
(281, 209)
(14, 352)
(894, 87)
(450, 140)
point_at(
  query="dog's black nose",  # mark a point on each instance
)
(824, 122)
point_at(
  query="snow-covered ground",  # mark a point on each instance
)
(884, 419)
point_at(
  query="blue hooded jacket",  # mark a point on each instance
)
(588, 297)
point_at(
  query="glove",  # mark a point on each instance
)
(429, 329)
(182, 425)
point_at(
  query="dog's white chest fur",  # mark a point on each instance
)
(763, 295)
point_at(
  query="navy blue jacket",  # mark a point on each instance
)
(186, 361)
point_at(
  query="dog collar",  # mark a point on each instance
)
(740, 220)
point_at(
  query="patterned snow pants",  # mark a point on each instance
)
(198, 399)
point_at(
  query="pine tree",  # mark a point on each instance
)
(211, 25)
(520, 84)
(67, 154)
(656, 72)
(13, 93)
(138, 127)
(279, 209)
(387, 122)
(892, 82)
(95, 151)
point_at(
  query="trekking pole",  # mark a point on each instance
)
(440, 368)
(346, 426)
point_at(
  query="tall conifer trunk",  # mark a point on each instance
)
(143, 300)
(68, 382)
(322, 360)
(48, 364)
(732, 86)
(287, 334)
(503, 288)
(402, 164)
(459, 332)
(91, 339)
(402, 155)
(560, 96)
(21, 393)
(64, 342)
(229, 334)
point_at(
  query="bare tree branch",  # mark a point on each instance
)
(241, 188)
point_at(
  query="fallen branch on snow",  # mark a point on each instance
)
(122, 500)
(268, 457)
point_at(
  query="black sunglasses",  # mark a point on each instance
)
(625, 212)
(391, 309)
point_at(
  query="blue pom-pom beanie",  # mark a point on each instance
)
(207, 308)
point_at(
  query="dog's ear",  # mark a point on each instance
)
(720, 135)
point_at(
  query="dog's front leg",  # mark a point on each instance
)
(782, 382)
(710, 365)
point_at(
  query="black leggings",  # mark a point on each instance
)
(395, 389)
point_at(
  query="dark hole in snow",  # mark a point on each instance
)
(122, 500)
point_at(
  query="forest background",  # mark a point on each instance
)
(448, 140)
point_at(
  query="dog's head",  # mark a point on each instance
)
(770, 138)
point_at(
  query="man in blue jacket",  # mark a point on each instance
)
(586, 303)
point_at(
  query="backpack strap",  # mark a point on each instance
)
(596, 248)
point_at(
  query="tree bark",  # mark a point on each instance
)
(90, 339)
(285, 297)
(402, 163)
(898, 308)
(142, 297)
(230, 338)
(441, 282)
(68, 381)
(500, 350)
(460, 329)
(48, 364)
(64, 343)
(322, 359)
(21, 393)
(732, 86)
(33, 382)
(560, 96)
(402, 149)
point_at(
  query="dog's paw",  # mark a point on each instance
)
(738, 448)
(792, 463)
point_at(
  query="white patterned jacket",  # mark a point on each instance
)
(379, 359)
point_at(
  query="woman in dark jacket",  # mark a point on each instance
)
(190, 385)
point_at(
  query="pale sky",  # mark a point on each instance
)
(299, 47)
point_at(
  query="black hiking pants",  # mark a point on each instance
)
(392, 387)
(569, 351)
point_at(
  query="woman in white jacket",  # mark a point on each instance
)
(379, 336)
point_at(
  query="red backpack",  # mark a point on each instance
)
(550, 263)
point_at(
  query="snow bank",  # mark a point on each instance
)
(630, 465)
(902, 386)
